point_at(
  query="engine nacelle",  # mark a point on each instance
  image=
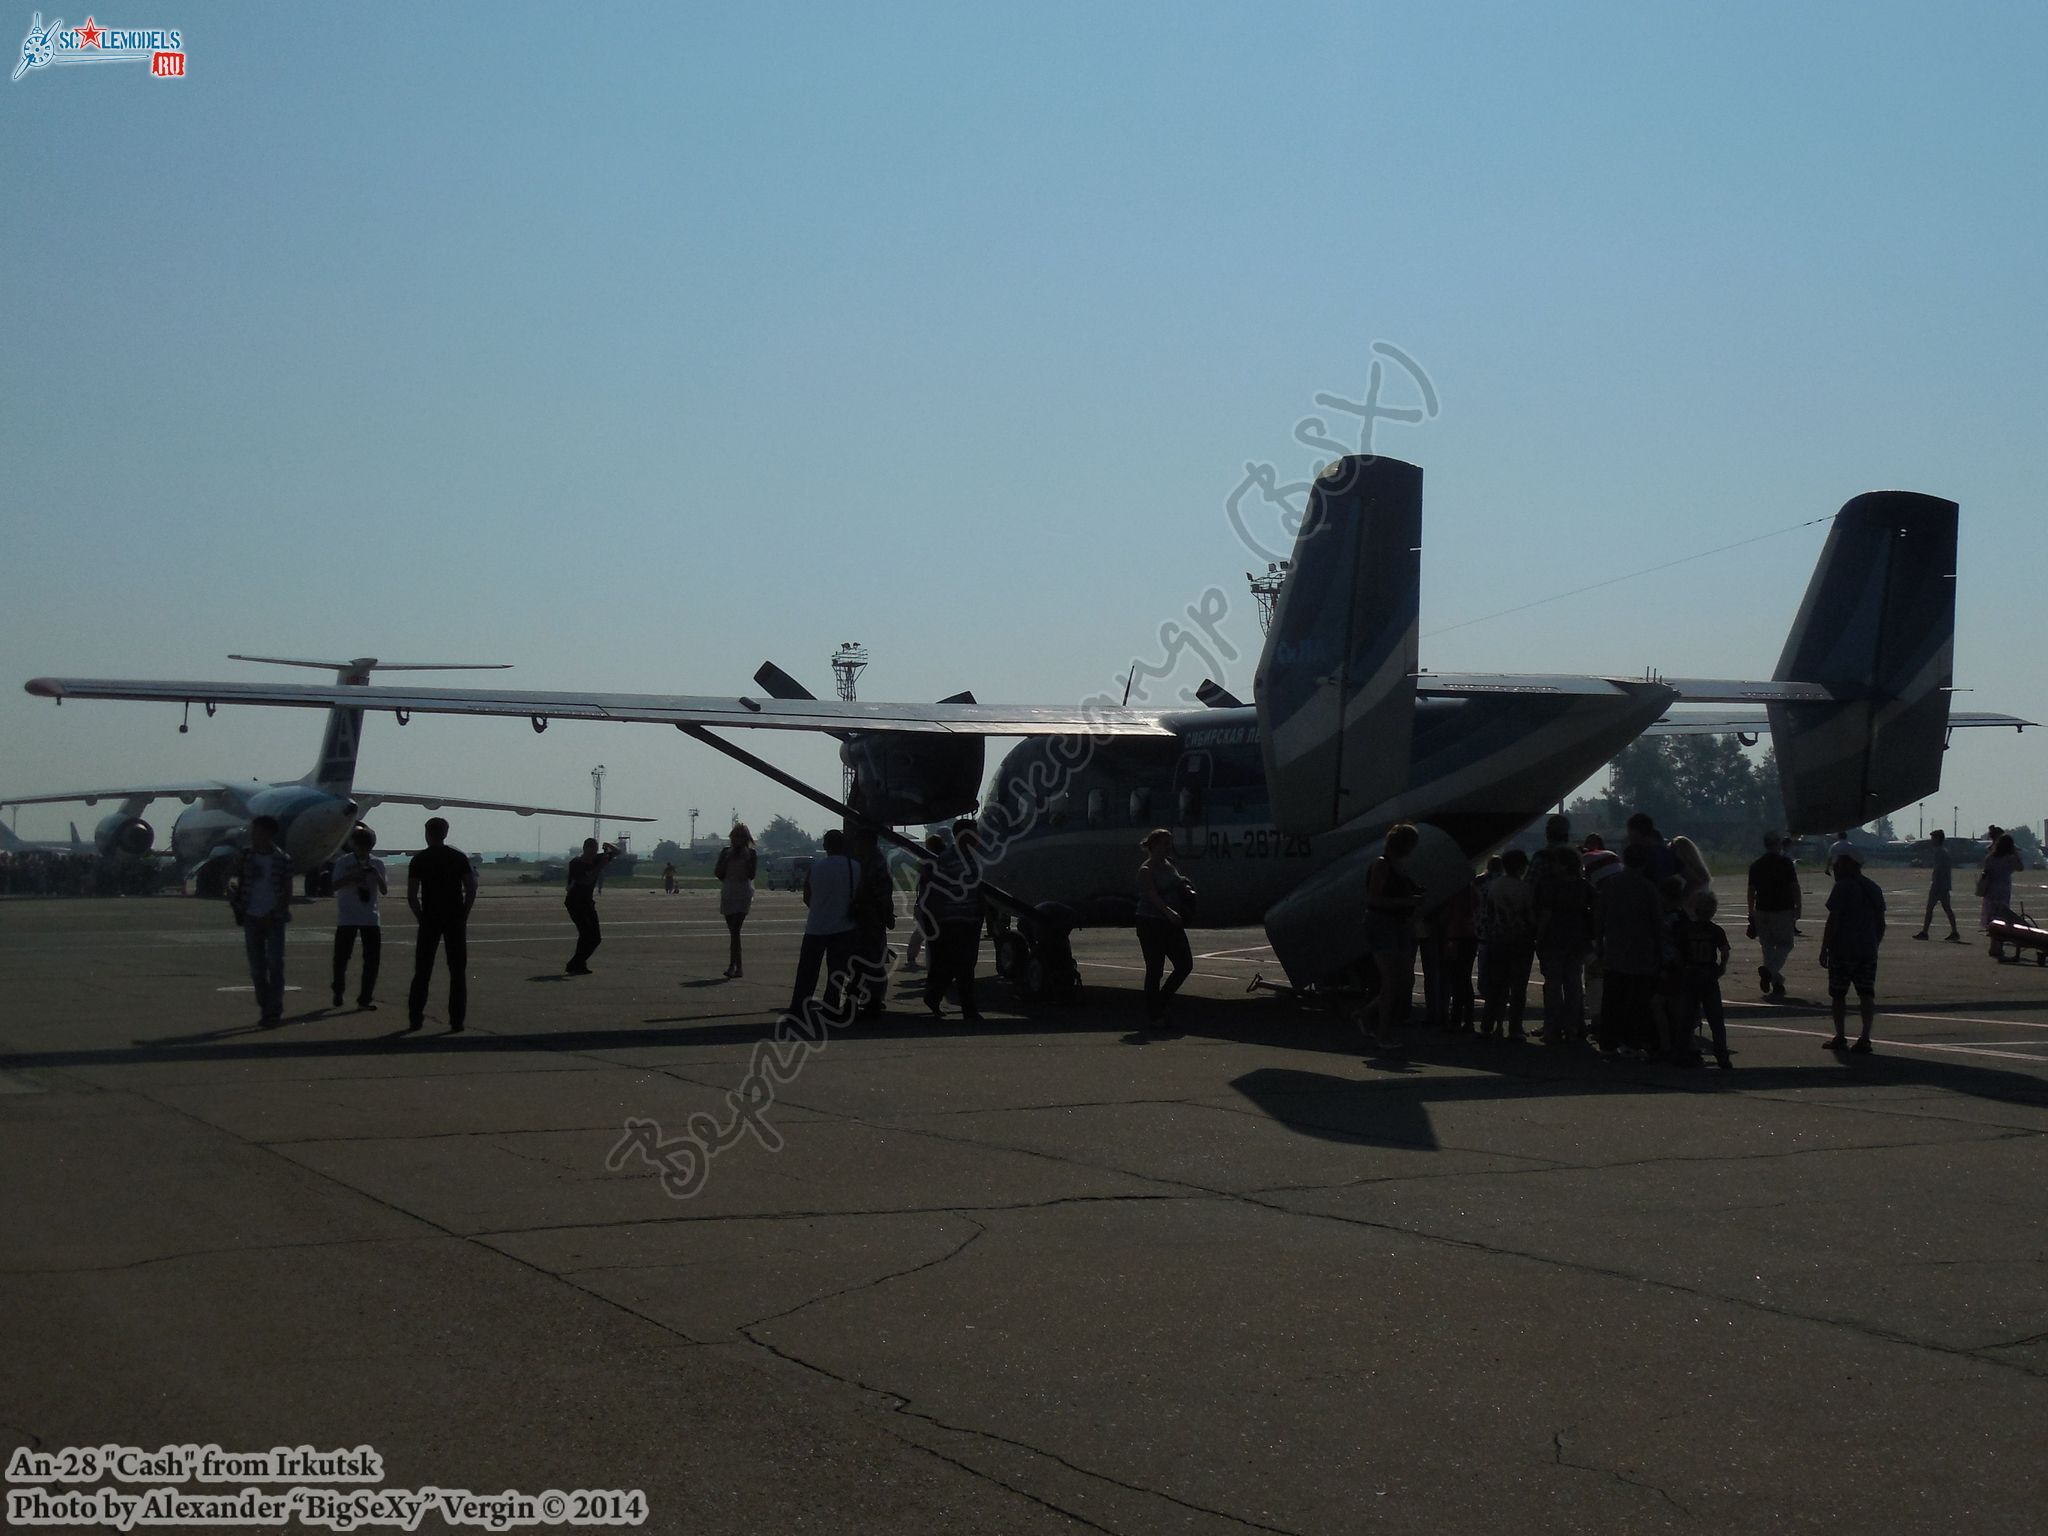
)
(123, 835)
(906, 777)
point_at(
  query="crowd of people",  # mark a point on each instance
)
(1627, 943)
(62, 872)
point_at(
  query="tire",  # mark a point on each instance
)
(1034, 976)
(1012, 955)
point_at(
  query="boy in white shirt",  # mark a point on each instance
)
(358, 883)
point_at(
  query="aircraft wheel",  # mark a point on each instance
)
(1034, 976)
(1012, 954)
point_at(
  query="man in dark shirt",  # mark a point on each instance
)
(1774, 902)
(1643, 834)
(581, 900)
(1631, 946)
(440, 887)
(1848, 946)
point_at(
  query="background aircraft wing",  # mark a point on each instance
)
(365, 798)
(679, 710)
(202, 789)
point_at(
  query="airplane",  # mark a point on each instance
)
(315, 813)
(11, 843)
(1280, 806)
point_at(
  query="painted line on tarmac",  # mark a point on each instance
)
(1935, 1018)
(1111, 965)
(1895, 1045)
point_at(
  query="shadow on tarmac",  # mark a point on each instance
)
(1390, 1104)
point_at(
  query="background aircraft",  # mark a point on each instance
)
(1279, 807)
(10, 843)
(315, 813)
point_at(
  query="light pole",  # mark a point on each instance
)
(597, 800)
(848, 662)
(693, 826)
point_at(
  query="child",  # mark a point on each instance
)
(1702, 961)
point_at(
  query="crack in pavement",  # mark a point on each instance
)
(208, 1253)
(1558, 1459)
(898, 1404)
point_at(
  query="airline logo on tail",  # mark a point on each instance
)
(161, 48)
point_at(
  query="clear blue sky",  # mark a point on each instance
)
(639, 345)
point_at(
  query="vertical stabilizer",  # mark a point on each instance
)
(1878, 627)
(335, 768)
(1336, 682)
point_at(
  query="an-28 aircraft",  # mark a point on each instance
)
(315, 814)
(1279, 806)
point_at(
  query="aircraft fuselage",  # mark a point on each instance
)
(1480, 770)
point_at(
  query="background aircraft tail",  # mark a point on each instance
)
(335, 768)
(1878, 627)
(1336, 682)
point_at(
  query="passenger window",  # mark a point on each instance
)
(1190, 804)
(1059, 809)
(1141, 806)
(1098, 808)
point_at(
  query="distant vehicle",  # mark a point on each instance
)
(786, 873)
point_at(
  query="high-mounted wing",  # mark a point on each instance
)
(198, 789)
(679, 710)
(365, 798)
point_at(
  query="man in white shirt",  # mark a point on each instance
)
(262, 898)
(828, 927)
(358, 883)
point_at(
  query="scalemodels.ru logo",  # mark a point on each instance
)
(161, 48)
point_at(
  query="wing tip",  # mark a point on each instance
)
(44, 687)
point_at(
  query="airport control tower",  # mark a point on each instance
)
(848, 662)
(1266, 589)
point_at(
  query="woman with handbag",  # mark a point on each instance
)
(1995, 884)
